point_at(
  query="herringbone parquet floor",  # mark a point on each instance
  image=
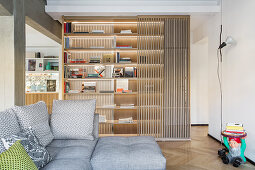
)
(198, 154)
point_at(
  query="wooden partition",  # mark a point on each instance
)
(48, 98)
(163, 77)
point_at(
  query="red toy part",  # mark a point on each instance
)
(235, 139)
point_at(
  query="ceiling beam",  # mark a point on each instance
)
(35, 17)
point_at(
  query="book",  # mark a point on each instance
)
(74, 91)
(118, 72)
(88, 87)
(106, 91)
(126, 120)
(81, 32)
(126, 32)
(121, 84)
(117, 57)
(108, 58)
(129, 72)
(108, 71)
(98, 31)
(123, 46)
(95, 59)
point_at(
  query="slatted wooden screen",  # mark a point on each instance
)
(163, 74)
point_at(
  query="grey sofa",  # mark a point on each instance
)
(106, 153)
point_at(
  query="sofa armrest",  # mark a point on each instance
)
(96, 126)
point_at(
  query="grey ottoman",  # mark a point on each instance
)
(126, 153)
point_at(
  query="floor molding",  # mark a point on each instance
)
(199, 124)
(252, 162)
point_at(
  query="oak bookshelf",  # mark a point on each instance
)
(158, 47)
(103, 43)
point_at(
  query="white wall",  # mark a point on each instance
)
(7, 62)
(199, 81)
(238, 70)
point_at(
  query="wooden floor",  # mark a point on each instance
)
(197, 154)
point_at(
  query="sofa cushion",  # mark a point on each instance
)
(37, 153)
(35, 116)
(126, 153)
(16, 158)
(8, 125)
(70, 154)
(73, 119)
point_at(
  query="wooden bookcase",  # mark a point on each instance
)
(160, 90)
(82, 45)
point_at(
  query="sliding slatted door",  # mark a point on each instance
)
(163, 77)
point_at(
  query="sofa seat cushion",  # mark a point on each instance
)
(124, 153)
(70, 154)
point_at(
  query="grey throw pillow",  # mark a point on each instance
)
(8, 125)
(37, 153)
(35, 116)
(73, 119)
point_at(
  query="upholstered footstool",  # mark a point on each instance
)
(126, 153)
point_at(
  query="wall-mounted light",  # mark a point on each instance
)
(229, 41)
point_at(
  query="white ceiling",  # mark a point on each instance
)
(57, 8)
(35, 38)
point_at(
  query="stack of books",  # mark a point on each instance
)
(95, 59)
(88, 87)
(126, 120)
(97, 31)
(127, 106)
(123, 46)
(125, 60)
(234, 129)
(126, 32)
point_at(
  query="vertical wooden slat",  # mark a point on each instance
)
(164, 77)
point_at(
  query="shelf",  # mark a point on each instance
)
(100, 49)
(102, 79)
(124, 135)
(99, 34)
(41, 92)
(42, 58)
(42, 72)
(93, 64)
(117, 122)
(133, 93)
(116, 108)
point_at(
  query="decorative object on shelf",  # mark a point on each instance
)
(51, 85)
(37, 55)
(102, 119)
(130, 72)
(31, 65)
(234, 139)
(118, 72)
(39, 65)
(48, 66)
(108, 58)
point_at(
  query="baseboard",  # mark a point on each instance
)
(248, 160)
(199, 124)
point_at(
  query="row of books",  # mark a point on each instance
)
(101, 72)
(67, 27)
